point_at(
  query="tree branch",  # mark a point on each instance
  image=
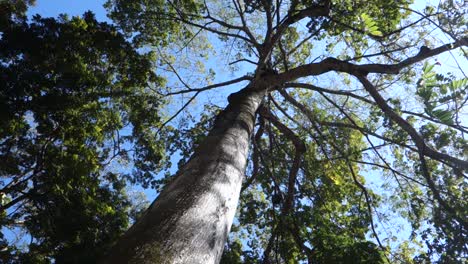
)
(209, 87)
(300, 149)
(333, 64)
(418, 140)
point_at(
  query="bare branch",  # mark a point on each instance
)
(320, 89)
(178, 112)
(369, 207)
(209, 87)
(245, 27)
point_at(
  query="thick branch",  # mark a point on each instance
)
(418, 140)
(292, 17)
(332, 64)
(300, 149)
(255, 154)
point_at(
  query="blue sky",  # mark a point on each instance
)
(52, 8)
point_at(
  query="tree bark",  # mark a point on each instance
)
(191, 218)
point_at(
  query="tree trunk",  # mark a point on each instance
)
(190, 220)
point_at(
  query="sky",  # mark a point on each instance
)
(52, 8)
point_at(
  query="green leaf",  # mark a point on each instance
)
(458, 84)
(370, 25)
(443, 115)
(427, 68)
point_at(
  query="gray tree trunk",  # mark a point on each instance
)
(190, 220)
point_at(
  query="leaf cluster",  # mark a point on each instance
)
(75, 101)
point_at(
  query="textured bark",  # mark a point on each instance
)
(190, 220)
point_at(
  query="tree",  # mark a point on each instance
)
(69, 86)
(343, 121)
(336, 88)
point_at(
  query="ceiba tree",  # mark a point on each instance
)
(332, 88)
(345, 124)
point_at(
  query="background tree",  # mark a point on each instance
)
(76, 100)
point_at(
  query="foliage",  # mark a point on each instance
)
(70, 90)
(13, 10)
